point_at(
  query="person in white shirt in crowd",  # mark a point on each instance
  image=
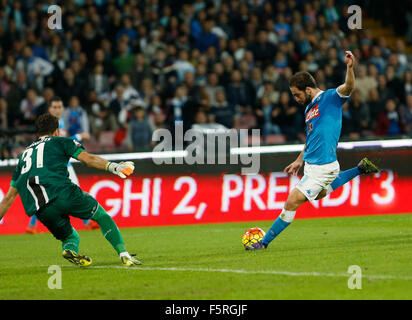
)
(36, 68)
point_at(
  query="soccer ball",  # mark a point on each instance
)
(252, 236)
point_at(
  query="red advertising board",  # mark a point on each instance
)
(192, 199)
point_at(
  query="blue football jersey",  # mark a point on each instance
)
(323, 118)
(63, 133)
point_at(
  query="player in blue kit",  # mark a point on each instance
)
(323, 117)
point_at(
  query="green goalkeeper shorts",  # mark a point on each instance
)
(73, 202)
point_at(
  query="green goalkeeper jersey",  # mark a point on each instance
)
(41, 173)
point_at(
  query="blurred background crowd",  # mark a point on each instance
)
(126, 68)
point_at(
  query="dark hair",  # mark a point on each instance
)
(46, 124)
(301, 80)
(54, 99)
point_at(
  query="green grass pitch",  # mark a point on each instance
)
(309, 260)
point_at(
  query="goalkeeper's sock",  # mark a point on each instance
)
(343, 177)
(281, 223)
(72, 242)
(109, 229)
(33, 221)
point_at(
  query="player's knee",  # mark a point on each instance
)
(292, 203)
(100, 214)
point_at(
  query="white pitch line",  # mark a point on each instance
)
(242, 271)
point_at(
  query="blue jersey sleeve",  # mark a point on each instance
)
(338, 99)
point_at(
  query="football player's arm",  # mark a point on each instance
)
(346, 88)
(7, 201)
(122, 169)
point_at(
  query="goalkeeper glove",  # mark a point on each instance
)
(122, 169)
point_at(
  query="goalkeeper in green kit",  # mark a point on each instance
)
(42, 180)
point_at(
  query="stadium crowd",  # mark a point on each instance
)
(130, 67)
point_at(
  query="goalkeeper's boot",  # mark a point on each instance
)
(129, 261)
(77, 259)
(256, 246)
(365, 166)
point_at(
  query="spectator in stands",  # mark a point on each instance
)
(267, 117)
(14, 92)
(178, 102)
(206, 38)
(130, 93)
(89, 39)
(291, 123)
(407, 83)
(75, 118)
(118, 101)
(139, 131)
(385, 93)
(193, 90)
(48, 95)
(400, 53)
(268, 89)
(224, 112)
(263, 50)
(162, 68)
(364, 83)
(389, 122)
(101, 116)
(360, 113)
(377, 59)
(376, 106)
(348, 124)
(108, 68)
(155, 43)
(29, 105)
(69, 86)
(147, 92)
(394, 83)
(36, 68)
(127, 29)
(183, 65)
(98, 81)
(124, 60)
(330, 12)
(282, 28)
(212, 87)
(139, 71)
(237, 92)
(393, 61)
(10, 68)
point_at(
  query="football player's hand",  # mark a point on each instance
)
(293, 168)
(349, 59)
(122, 169)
